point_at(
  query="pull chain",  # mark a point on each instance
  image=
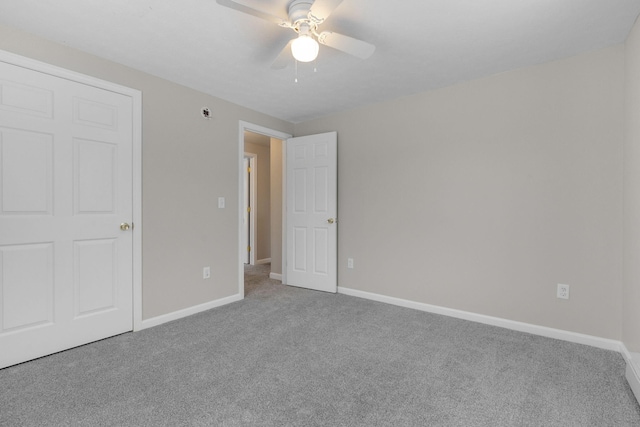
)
(296, 78)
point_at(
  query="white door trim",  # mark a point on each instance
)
(253, 203)
(246, 126)
(283, 269)
(136, 97)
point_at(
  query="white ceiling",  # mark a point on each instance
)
(421, 44)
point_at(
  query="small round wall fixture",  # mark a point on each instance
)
(206, 113)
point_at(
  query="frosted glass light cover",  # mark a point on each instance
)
(305, 48)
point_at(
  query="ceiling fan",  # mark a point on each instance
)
(304, 17)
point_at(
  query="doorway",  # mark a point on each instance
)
(268, 250)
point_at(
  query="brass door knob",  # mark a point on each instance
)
(124, 226)
(332, 220)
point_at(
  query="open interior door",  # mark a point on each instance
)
(312, 207)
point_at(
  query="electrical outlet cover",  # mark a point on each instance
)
(563, 291)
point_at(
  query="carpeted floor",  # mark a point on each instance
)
(291, 357)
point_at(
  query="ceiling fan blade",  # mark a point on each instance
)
(321, 9)
(284, 58)
(355, 47)
(255, 12)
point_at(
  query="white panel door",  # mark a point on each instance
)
(311, 177)
(65, 188)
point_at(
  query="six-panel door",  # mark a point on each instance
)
(311, 177)
(65, 188)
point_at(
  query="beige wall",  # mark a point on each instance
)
(276, 206)
(481, 196)
(188, 162)
(485, 195)
(631, 295)
(263, 193)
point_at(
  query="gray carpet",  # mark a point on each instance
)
(291, 357)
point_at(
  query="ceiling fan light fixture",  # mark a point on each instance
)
(305, 48)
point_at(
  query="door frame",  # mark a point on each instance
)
(136, 98)
(251, 127)
(253, 203)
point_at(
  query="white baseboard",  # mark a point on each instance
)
(544, 331)
(263, 261)
(275, 276)
(632, 373)
(158, 320)
(633, 378)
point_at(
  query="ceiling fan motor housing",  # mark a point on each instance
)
(299, 11)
